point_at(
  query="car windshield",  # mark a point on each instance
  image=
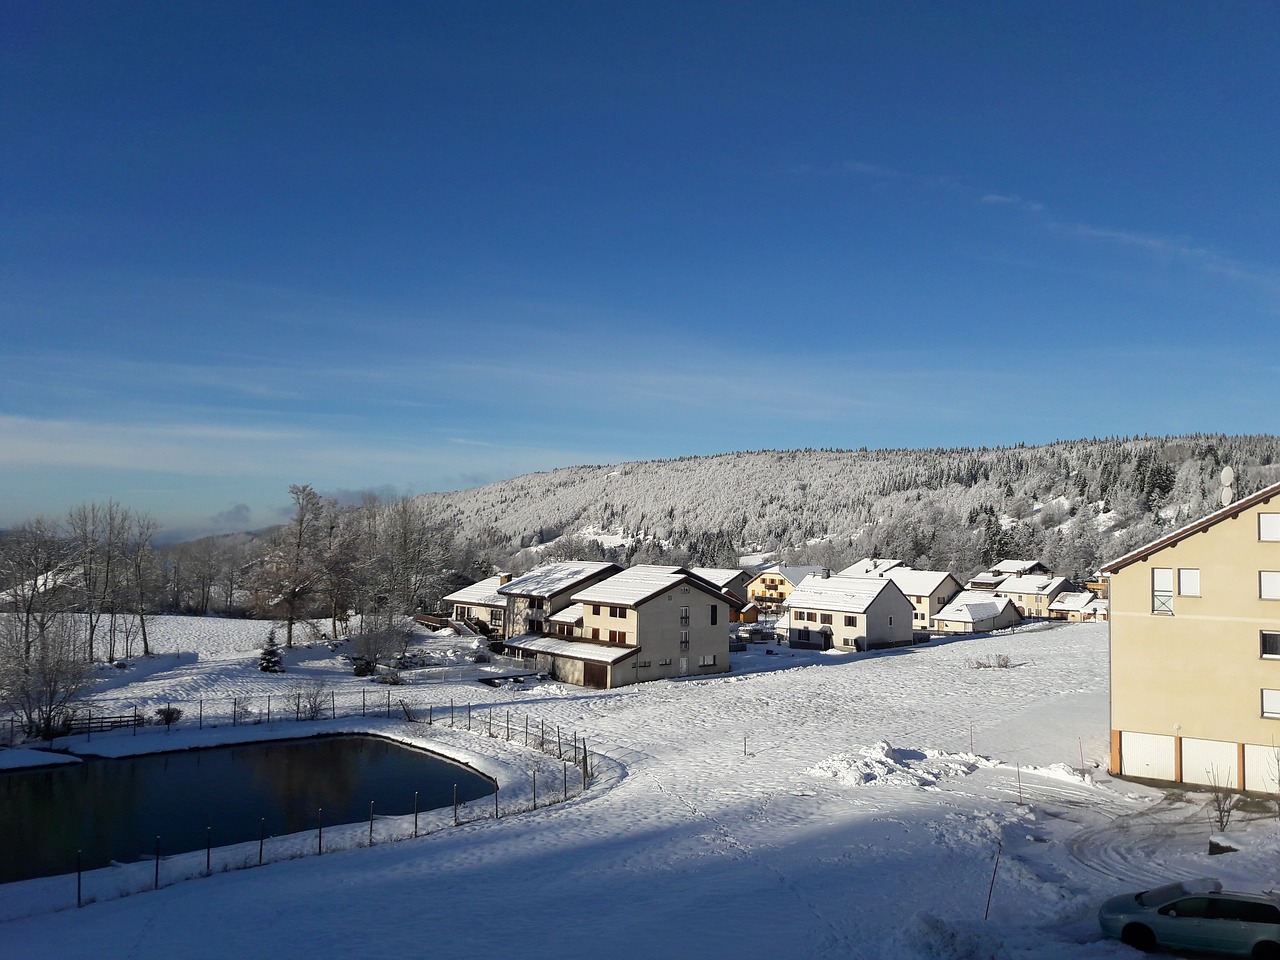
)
(1172, 891)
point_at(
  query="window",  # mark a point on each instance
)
(707, 660)
(536, 603)
(495, 616)
(1271, 643)
(1162, 590)
(825, 618)
(665, 663)
(684, 639)
(846, 642)
(1269, 585)
(891, 621)
(1271, 704)
(715, 613)
(684, 616)
(850, 621)
(811, 617)
(617, 636)
(595, 609)
(644, 663)
(804, 635)
(620, 612)
(1188, 582)
(1269, 526)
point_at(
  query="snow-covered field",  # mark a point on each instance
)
(805, 805)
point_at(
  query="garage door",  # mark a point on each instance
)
(1261, 768)
(1147, 755)
(1209, 762)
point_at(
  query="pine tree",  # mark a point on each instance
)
(271, 661)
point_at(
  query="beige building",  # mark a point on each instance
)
(534, 597)
(480, 606)
(1195, 651)
(976, 611)
(646, 623)
(848, 613)
(772, 585)
(1033, 594)
(928, 590)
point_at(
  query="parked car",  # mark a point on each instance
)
(1196, 915)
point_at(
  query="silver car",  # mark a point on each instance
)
(1196, 915)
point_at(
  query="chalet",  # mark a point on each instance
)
(1195, 651)
(480, 606)
(976, 611)
(534, 597)
(928, 590)
(1079, 606)
(1033, 593)
(858, 613)
(772, 585)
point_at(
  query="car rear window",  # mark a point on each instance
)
(1248, 910)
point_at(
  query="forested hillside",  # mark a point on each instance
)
(1073, 503)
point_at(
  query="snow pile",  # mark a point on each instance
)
(883, 764)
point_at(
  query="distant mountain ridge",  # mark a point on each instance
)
(937, 508)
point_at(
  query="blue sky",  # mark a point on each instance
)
(422, 246)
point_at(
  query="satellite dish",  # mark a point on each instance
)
(1228, 496)
(1228, 476)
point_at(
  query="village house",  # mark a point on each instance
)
(648, 622)
(976, 611)
(1195, 651)
(1080, 606)
(534, 597)
(773, 584)
(872, 567)
(854, 613)
(1033, 593)
(928, 590)
(730, 579)
(480, 606)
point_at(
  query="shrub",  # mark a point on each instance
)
(168, 715)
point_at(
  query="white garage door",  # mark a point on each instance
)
(1147, 755)
(1261, 768)
(1209, 762)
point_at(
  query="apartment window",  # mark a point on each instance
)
(595, 609)
(617, 612)
(715, 614)
(1269, 585)
(847, 642)
(850, 621)
(1269, 526)
(617, 636)
(644, 663)
(1271, 644)
(536, 603)
(684, 616)
(707, 660)
(1162, 590)
(495, 616)
(825, 618)
(811, 617)
(1188, 582)
(665, 663)
(684, 639)
(1271, 704)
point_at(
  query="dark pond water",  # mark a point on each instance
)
(115, 809)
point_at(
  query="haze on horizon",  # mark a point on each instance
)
(419, 247)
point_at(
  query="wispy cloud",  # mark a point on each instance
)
(1012, 200)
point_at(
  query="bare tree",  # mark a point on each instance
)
(44, 673)
(291, 572)
(98, 532)
(1222, 799)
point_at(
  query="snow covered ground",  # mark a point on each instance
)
(805, 805)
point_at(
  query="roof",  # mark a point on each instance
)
(637, 584)
(1229, 512)
(1036, 583)
(573, 649)
(1014, 566)
(570, 614)
(791, 573)
(720, 576)
(991, 579)
(1077, 600)
(555, 578)
(973, 606)
(917, 582)
(841, 594)
(484, 594)
(871, 567)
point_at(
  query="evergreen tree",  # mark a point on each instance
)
(271, 660)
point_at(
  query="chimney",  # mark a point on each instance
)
(826, 573)
(503, 579)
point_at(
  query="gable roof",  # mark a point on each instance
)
(1016, 567)
(872, 567)
(971, 606)
(635, 585)
(1079, 600)
(791, 573)
(571, 614)
(555, 578)
(1229, 512)
(1036, 584)
(720, 576)
(573, 649)
(482, 594)
(840, 594)
(919, 582)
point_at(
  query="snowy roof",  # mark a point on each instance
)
(573, 649)
(570, 614)
(1228, 512)
(1038, 583)
(720, 576)
(484, 594)
(989, 580)
(871, 567)
(973, 606)
(918, 582)
(1076, 600)
(843, 594)
(1014, 566)
(555, 578)
(789, 572)
(637, 584)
